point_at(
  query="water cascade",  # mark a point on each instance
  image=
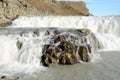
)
(22, 42)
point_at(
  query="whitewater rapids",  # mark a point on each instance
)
(12, 60)
(106, 29)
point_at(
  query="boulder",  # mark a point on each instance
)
(64, 53)
(36, 33)
(83, 54)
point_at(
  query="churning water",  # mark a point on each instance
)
(26, 61)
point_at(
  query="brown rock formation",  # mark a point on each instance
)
(60, 8)
(65, 48)
(11, 9)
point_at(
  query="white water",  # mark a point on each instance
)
(106, 29)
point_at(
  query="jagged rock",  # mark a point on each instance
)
(68, 53)
(19, 44)
(36, 33)
(11, 9)
(69, 49)
(59, 38)
(56, 32)
(83, 53)
(64, 53)
(47, 33)
(84, 32)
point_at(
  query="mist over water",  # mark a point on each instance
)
(27, 59)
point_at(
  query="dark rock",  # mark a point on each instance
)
(83, 53)
(89, 48)
(64, 53)
(84, 32)
(69, 48)
(36, 33)
(47, 33)
(19, 44)
(56, 32)
(3, 77)
(59, 38)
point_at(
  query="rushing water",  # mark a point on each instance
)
(26, 62)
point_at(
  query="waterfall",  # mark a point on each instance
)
(23, 41)
(106, 29)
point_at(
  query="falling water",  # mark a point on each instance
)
(106, 30)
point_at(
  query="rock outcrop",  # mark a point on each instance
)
(65, 8)
(69, 47)
(11, 9)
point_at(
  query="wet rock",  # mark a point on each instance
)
(68, 53)
(19, 44)
(59, 38)
(89, 48)
(84, 32)
(3, 77)
(64, 53)
(56, 32)
(36, 33)
(69, 48)
(83, 53)
(47, 33)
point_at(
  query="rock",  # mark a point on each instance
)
(59, 38)
(64, 53)
(84, 32)
(36, 33)
(11, 9)
(19, 45)
(83, 53)
(89, 48)
(68, 52)
(56, 32)
(3, 77)
(47, 33)
(5, 24)
(69, 48)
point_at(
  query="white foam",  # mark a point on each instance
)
(106, 29)
(96, 24)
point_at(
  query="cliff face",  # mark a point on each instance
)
(10, 9)
(60, 8)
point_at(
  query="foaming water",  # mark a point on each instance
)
(27, 58)
(106, 29)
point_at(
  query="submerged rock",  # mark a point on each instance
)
(83, 54)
